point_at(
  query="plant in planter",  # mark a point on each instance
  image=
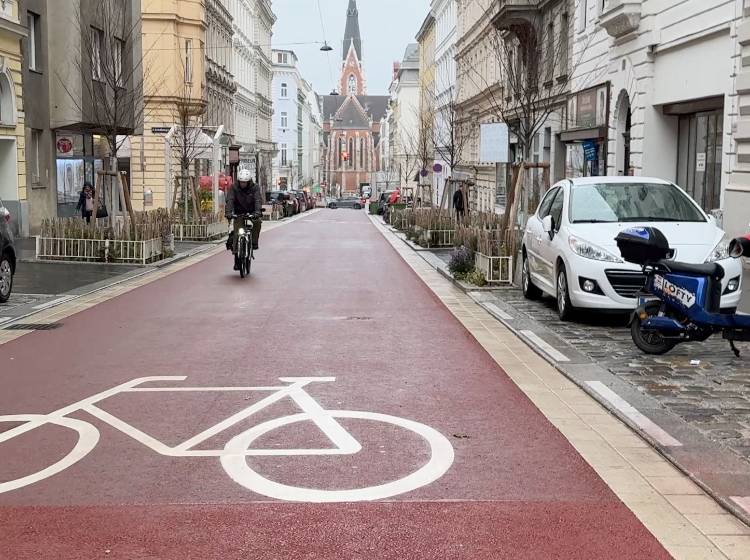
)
(462, 261)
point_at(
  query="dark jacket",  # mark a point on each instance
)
(243, 201)
(458, 201)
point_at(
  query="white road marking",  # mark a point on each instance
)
(237, 468)
(545, 347)
(494, 309)
(742, 501)
(632, 414)
(4, 319)
(234, 454)
(53, 302)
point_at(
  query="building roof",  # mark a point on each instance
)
(352, 31)
(411, 57)
(428, 22)
(374, 105)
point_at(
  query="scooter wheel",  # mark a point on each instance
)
(648, 341)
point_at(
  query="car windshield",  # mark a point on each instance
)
(631, 202)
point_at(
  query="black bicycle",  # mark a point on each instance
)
(242, 226)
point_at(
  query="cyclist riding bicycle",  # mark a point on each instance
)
(244, 198)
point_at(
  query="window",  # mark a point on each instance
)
(188, 61)
(283, 58)
(632, 202)
(564, 40)
(284, 119)
(284, 156)
(284, 90)
(97, 41)
(546, 204)
(352, 85)
(36, 140)
(119, 53)
(35, 40)
(550, 51)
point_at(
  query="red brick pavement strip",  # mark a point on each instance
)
(329, 296)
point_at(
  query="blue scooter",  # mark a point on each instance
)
(680, 302)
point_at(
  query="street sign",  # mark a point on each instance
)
(493, 142)
(590, 150)
(161, 129)
(437, 168)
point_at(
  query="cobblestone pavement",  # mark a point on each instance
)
(713, 396)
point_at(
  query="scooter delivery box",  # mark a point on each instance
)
(640, 245)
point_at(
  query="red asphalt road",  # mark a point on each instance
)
(328, 297)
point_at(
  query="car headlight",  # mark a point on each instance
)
(241, 231)
(721, 251)
(590, 251)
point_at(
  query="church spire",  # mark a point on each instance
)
(352, 31)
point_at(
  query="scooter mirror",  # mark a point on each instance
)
(735, 249)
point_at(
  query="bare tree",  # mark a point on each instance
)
(451, 133)
(407, 158)
(532, 74)
(188, 146)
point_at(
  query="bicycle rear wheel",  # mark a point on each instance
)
(88, 437)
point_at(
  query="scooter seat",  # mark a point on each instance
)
(712, 270)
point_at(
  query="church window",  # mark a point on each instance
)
(352, 85)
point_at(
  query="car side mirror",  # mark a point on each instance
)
(548, 226)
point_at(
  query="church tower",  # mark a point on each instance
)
(352, 80)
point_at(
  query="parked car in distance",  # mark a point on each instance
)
(569, 248)
(301, 202)
(7, 255)
(346, 202)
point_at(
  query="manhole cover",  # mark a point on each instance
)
(33, 327)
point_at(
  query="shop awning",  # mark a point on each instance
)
(583, 134)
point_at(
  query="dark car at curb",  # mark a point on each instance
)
(347, 202)
(7, 255)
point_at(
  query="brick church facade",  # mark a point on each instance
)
(352, 119)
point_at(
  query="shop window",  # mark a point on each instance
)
(700, 153)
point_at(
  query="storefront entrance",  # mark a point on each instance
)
(700, 154)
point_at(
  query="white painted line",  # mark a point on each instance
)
(4, 319)
(494, 309)
(53, 302)
(743, 502)
(632, 414)
(545, 347)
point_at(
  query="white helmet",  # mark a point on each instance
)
(244, 175)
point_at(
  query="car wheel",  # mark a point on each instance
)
(565, 309)
(6, 278)
(357, 207)
(530, 291)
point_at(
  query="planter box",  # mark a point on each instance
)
(440, 237)
(99, 250)
(497, 270)
(199, 232)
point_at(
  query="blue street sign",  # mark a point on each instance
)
(590, 150)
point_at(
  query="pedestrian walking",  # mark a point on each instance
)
(86, 202)
(458, 203)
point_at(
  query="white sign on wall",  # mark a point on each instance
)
(493, 143)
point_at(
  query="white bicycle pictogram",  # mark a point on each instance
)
(234, 456)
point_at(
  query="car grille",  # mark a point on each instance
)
(625, 282)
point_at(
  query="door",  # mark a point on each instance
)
(550, 248)
(536, 237)
(701, 149)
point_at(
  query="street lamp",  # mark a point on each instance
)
(326, 47)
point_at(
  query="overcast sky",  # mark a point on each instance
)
(387, 26)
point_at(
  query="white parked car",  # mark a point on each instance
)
(569, 249)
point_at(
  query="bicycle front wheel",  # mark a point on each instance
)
(88, 437)
(236, 466)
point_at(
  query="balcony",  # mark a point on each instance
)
(514, 13)
(621, 17)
